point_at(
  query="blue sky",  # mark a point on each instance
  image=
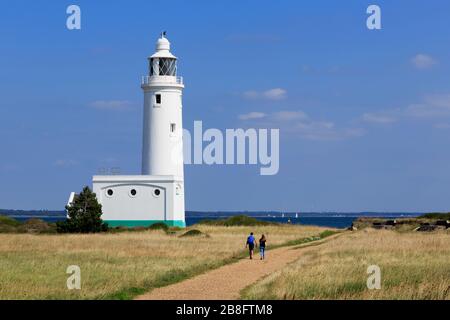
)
(364, 115)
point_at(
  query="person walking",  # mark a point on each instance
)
(250, 244)
(262, 247)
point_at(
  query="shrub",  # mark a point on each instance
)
(436, 215)
(194, 233)
(7, 221)
(237, 221)
(8, 225)
(159, 226)
(326, 233)
(36, 226)
(84, 215)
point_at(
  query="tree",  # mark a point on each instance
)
(84, 215)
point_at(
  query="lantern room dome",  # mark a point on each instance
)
(163, 48)
(162, 44)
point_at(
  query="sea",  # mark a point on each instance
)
(324, 219)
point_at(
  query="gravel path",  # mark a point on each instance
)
(226, 282)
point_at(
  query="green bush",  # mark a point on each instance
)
(436, 215)
(36, 226)
(7, 221)
(237, 221)
(8, 225)
(194, 233)
(326, 233)
(84, 215)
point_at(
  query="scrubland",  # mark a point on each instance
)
(123, 265)
(413, 265)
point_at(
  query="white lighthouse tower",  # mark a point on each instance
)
(158, 194)
(162, 114)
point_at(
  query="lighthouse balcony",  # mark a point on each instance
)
(158, 80)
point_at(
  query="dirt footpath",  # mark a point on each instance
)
(226, 282)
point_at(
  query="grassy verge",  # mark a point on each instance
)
(301, 241)
(177, 276)
(125, 264)
(413, 266)
(170, 277)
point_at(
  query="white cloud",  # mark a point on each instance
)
(278, 116)
(271, 94)
(378, 118)
(275, 94)
(439, 100)
(326, 131)
(251, 115)
(251, 94)
(289, 115)
(432, 106)
(300, 124)
(111, 104)
(422, 61)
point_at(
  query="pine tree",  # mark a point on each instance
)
(84, 215)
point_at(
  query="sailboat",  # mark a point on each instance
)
(282, 215)
(296, 215)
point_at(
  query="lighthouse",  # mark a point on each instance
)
(157, 195)
(163, 130)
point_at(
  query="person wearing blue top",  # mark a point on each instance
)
(251, 244)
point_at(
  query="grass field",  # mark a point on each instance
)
(122, 265)
(413, 266)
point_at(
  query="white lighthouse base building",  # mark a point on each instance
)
(132, 201)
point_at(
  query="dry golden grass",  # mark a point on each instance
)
(413, 266)
(120, 265)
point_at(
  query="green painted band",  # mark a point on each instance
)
(145, 223)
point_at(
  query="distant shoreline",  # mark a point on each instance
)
(223, 214)
(328, 219)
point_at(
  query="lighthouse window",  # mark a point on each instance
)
(163, 67)
(172, 127)
(154, 67)
(167, 67)
(110, 192)
(158, 99)
(157, 192)
(133, 192)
